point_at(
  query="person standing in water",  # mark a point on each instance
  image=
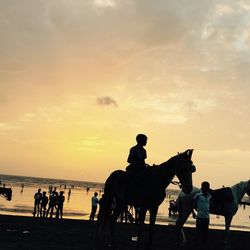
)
(94, 203)
(37, 202)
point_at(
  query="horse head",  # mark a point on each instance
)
(184, 169)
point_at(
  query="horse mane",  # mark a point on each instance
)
(163, 167)
(240, 188)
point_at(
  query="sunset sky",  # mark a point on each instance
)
(79, 79)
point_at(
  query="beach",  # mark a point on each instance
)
(27, 233)
(78, 206)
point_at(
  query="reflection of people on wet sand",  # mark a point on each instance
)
(60, 201)
(44, 203)
(37, 198)
(94, 203)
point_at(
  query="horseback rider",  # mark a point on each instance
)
(137, 155)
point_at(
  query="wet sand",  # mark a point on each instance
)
(27, 233)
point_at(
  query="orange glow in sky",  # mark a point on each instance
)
(80, 79)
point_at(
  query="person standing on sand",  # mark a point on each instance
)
(44, 203)
(37, 202)
(52, 203)
(201, 201)
(100, 215)
(94, 203)
(60, 201)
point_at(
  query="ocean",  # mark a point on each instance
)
(77, 205)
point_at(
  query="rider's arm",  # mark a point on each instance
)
(131, 156)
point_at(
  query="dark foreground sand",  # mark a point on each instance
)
(28, 233)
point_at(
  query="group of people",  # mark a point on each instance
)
(44, 206)
(95, 202)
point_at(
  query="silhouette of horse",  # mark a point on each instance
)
(6, 193)
(224, 202)
(144, 190)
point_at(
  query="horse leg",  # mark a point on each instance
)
(140, 224)
(101, 222)
(153, 213)
(228, 220)
(114, 217)
(180, 235)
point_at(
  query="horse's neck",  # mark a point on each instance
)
(239, 190)
(166, 173)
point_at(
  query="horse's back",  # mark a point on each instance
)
(116, 184)
(130, 187)
(222, 202)
(224, 194)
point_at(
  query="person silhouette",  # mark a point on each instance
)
(44, 203)
(60, 201)
(55, 192)
(94, 203)
(201, 201)
(69, 193)
(100, 215)
(37, 202)
(52, 203)
(137, 154)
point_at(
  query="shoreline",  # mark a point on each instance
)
(161, 220)
(28, 233)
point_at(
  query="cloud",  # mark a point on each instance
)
(104, 3)
(90, 144)
(8, 126)
(106, 101)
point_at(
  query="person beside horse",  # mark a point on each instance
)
(201, 202)
(224, 201)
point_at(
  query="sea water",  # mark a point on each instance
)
(77, 205)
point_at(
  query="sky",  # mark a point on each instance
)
(79, 79)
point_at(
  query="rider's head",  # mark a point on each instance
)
(141, 139)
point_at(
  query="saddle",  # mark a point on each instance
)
(220, 200)
(137, 181)
(222, 195)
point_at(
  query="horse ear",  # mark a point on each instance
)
(189, 153)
